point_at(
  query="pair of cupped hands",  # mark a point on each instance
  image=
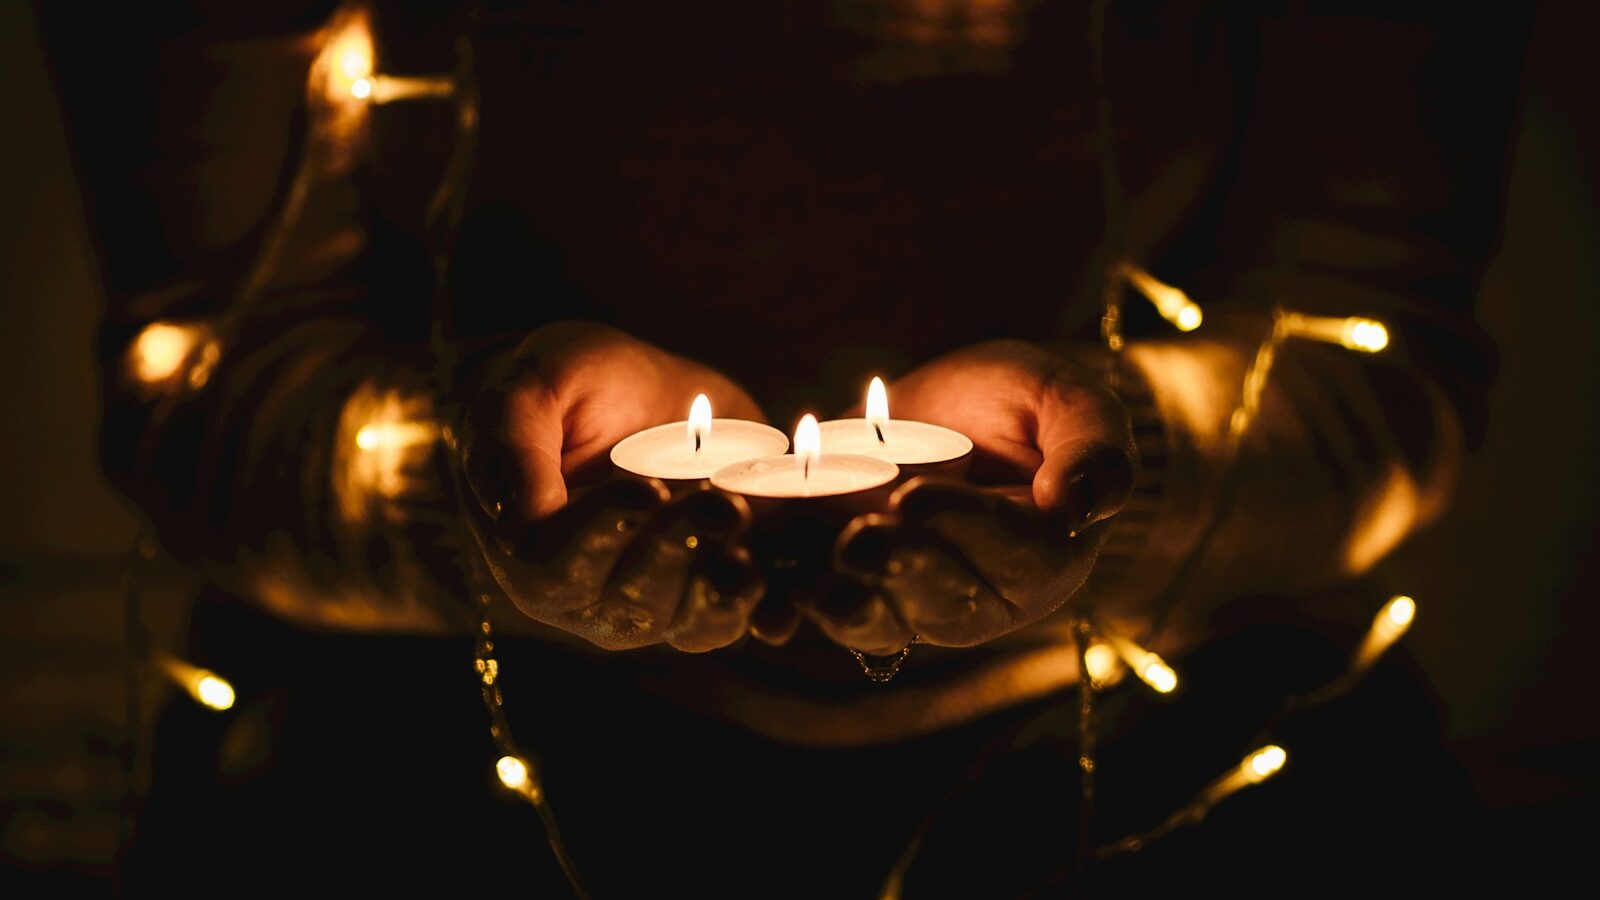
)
(624, 562)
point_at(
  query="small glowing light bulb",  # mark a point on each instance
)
(1173, 304)
(1366, 335)
(1264, 763)
(1101, 661)
(1150, 667)
(513, 772)
(1189, 317)
(369, 437)
(1400, 610)
(159, 350)
(163, 349)
(1391, 622)
(1352, 333)
(396, 435)
(361, 88)
(1158, 675)
(214, 692)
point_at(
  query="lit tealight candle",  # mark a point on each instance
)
(692, 450)
(900, 441)
(807, 472)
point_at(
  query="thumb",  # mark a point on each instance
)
(512, 458)
(1088, 470)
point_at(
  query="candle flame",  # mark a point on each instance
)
(807, 442)
(699, 421)
(877, 407)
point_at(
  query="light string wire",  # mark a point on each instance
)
(443, 216)
(515, 767)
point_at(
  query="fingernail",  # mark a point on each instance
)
(1098, 488)
(489, 474)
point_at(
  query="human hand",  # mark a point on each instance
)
(619, 562)
(955, 564)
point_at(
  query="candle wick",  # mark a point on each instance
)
(697, 441)
(806, 472)
(879, 429)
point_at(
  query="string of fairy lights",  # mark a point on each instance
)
(170, 359)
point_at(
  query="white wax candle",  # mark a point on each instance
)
(829, 474)
(905, 442)
(670, 452)
(808, 472)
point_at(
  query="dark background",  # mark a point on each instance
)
(1506, 584)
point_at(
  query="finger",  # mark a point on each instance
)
(559, 564)
(860, 617)
(511, 452)
(964, 565)
(914, 585)
(723, 589)
(1087, 472)
(943, 598)
(1024, 554)
(724, 583)
(642, 597)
